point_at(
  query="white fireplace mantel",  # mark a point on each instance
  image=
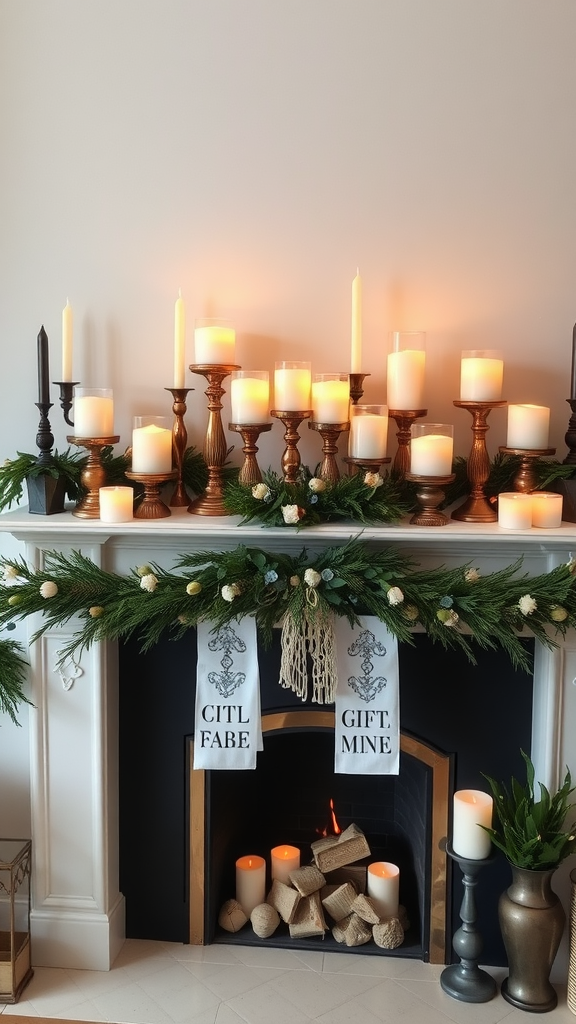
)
(78, 911)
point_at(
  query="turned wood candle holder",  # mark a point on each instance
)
(250, 472)
(290, 461)
(429, 495)
(329, 432)
(93, 475)
(367, 465)
(152, 506)
(211, 502)
(477, 507)
(404, 420)
(180, 497)
(356, 389)
(525, 479)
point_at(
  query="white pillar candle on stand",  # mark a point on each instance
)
(431, 449)
(481, 372)
(368, 431)
(528, 426)
(67, 342)
(179, 342)
(546, 509)
(284, 859)
(383, 884)
(151, 445)
(250, 396)
(330, 398)
(356, 340)
(514, 510)
(406, 364)
(250, 882)
(214, 342)
(292, 383)
(93, 412)
(472, 808)
(116, 504)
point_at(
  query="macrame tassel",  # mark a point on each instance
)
(312, 646)
(293, 661)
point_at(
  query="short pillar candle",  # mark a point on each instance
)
(250, 396)
(284, 859)
(250, 882)
(546, 509)
(93, 412)
(292, 386)
(151, 445)
(330, 397)
(383, 884)
(214, 342)
(368, 431)
(514, 510)
(481, 372)
(116, 504)
(472, 809)
(528, 427)
(405, 370)
(431, 448)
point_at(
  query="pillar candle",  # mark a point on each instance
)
(250, 882)
(405, 383)
(284, 859)
(249, 399)
(214, 344)
(383, 883)
(67, 342)
(481, 379)
(116, 504)
(330, 401)
(472, 808)
(368, 436)
(546, 509)
(151, 449)
(43, 368)
(514, 510)
(179, 342)
(356, 341)
(93, 416)
(431, 455)
(292, 388)
(528, 426)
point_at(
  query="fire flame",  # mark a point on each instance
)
(336, 830)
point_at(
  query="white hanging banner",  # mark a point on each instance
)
(367, 699)
(228, 727)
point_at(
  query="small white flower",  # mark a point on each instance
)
(294, 581)
(452, 618)
(571, 564)
(527, 604)
(49, 589)
(9, 575)
(316, 485)
(6, 463)
(144, 570)
(194, 587)
(395, 596)
(149, 582)
(261, 492)
(230, 590)
(471, 575)
(373, 480)
(291, 514)
(312, 578)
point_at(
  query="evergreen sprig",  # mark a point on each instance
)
(12, 678)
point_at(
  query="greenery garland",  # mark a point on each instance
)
(454, 606)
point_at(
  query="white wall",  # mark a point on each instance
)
(254, 153)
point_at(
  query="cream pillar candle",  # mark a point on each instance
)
(481, 372)
(514, 510)
(330, 398)
(250, 882)
(116, 504)
(406, 364)
(250, 396)
(472, 808)
(383, 885)
(67, 322)
(368, 431)
(546, 509)
(214, 342)
(528, 426)
(151, 446)
(356, 340)
(93, 412)
(431, 455)
(179, 342)
(284, 859)
(292, 384)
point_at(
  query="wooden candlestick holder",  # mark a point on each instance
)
(404, 420)
(211, 502)
(180, 497)
(290, 461)
(329, 432)
(525, 479)
(93, 475)
(250, 472)
(356, 389)
(477, 507)
(152, 506)
(367, 465)
(429, 495)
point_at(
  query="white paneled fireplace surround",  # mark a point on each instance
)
(78, 912)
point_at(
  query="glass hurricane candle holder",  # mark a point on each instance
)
(93, 412)
(292, 386)
(330, 398)
(250, 396)
(481, 373)
(406, 364)
(368, 432)
(214, 341)
(151, 445)
(431, 448)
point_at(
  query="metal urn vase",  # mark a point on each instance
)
(532, 921)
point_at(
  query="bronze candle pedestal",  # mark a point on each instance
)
(404, 420)
(329, 432)
(152, 506)
(477, 508)
(356, 389)
(368, 465)
(250, 472)
(211, 502)
(180, 497)
(429, 495)
(525, 479)
(93, 476)
(290, 461)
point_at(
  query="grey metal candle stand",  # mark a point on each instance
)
(466, 981)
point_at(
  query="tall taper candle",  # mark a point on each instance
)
(66, 342)
(356, 340)
(43, 368)
(179, 341)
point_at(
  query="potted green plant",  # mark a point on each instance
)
(535, 836)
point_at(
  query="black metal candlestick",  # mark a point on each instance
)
(46, 493)
(466, 981)
(67, 397)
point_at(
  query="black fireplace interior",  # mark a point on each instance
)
(480, 715)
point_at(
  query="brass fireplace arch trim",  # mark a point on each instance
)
(440, 765)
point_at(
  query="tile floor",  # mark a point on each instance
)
(167, 983)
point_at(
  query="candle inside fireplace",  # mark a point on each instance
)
(472, 808)
(284, 859)
(250, 882)
(43, 368)
(383, 883)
